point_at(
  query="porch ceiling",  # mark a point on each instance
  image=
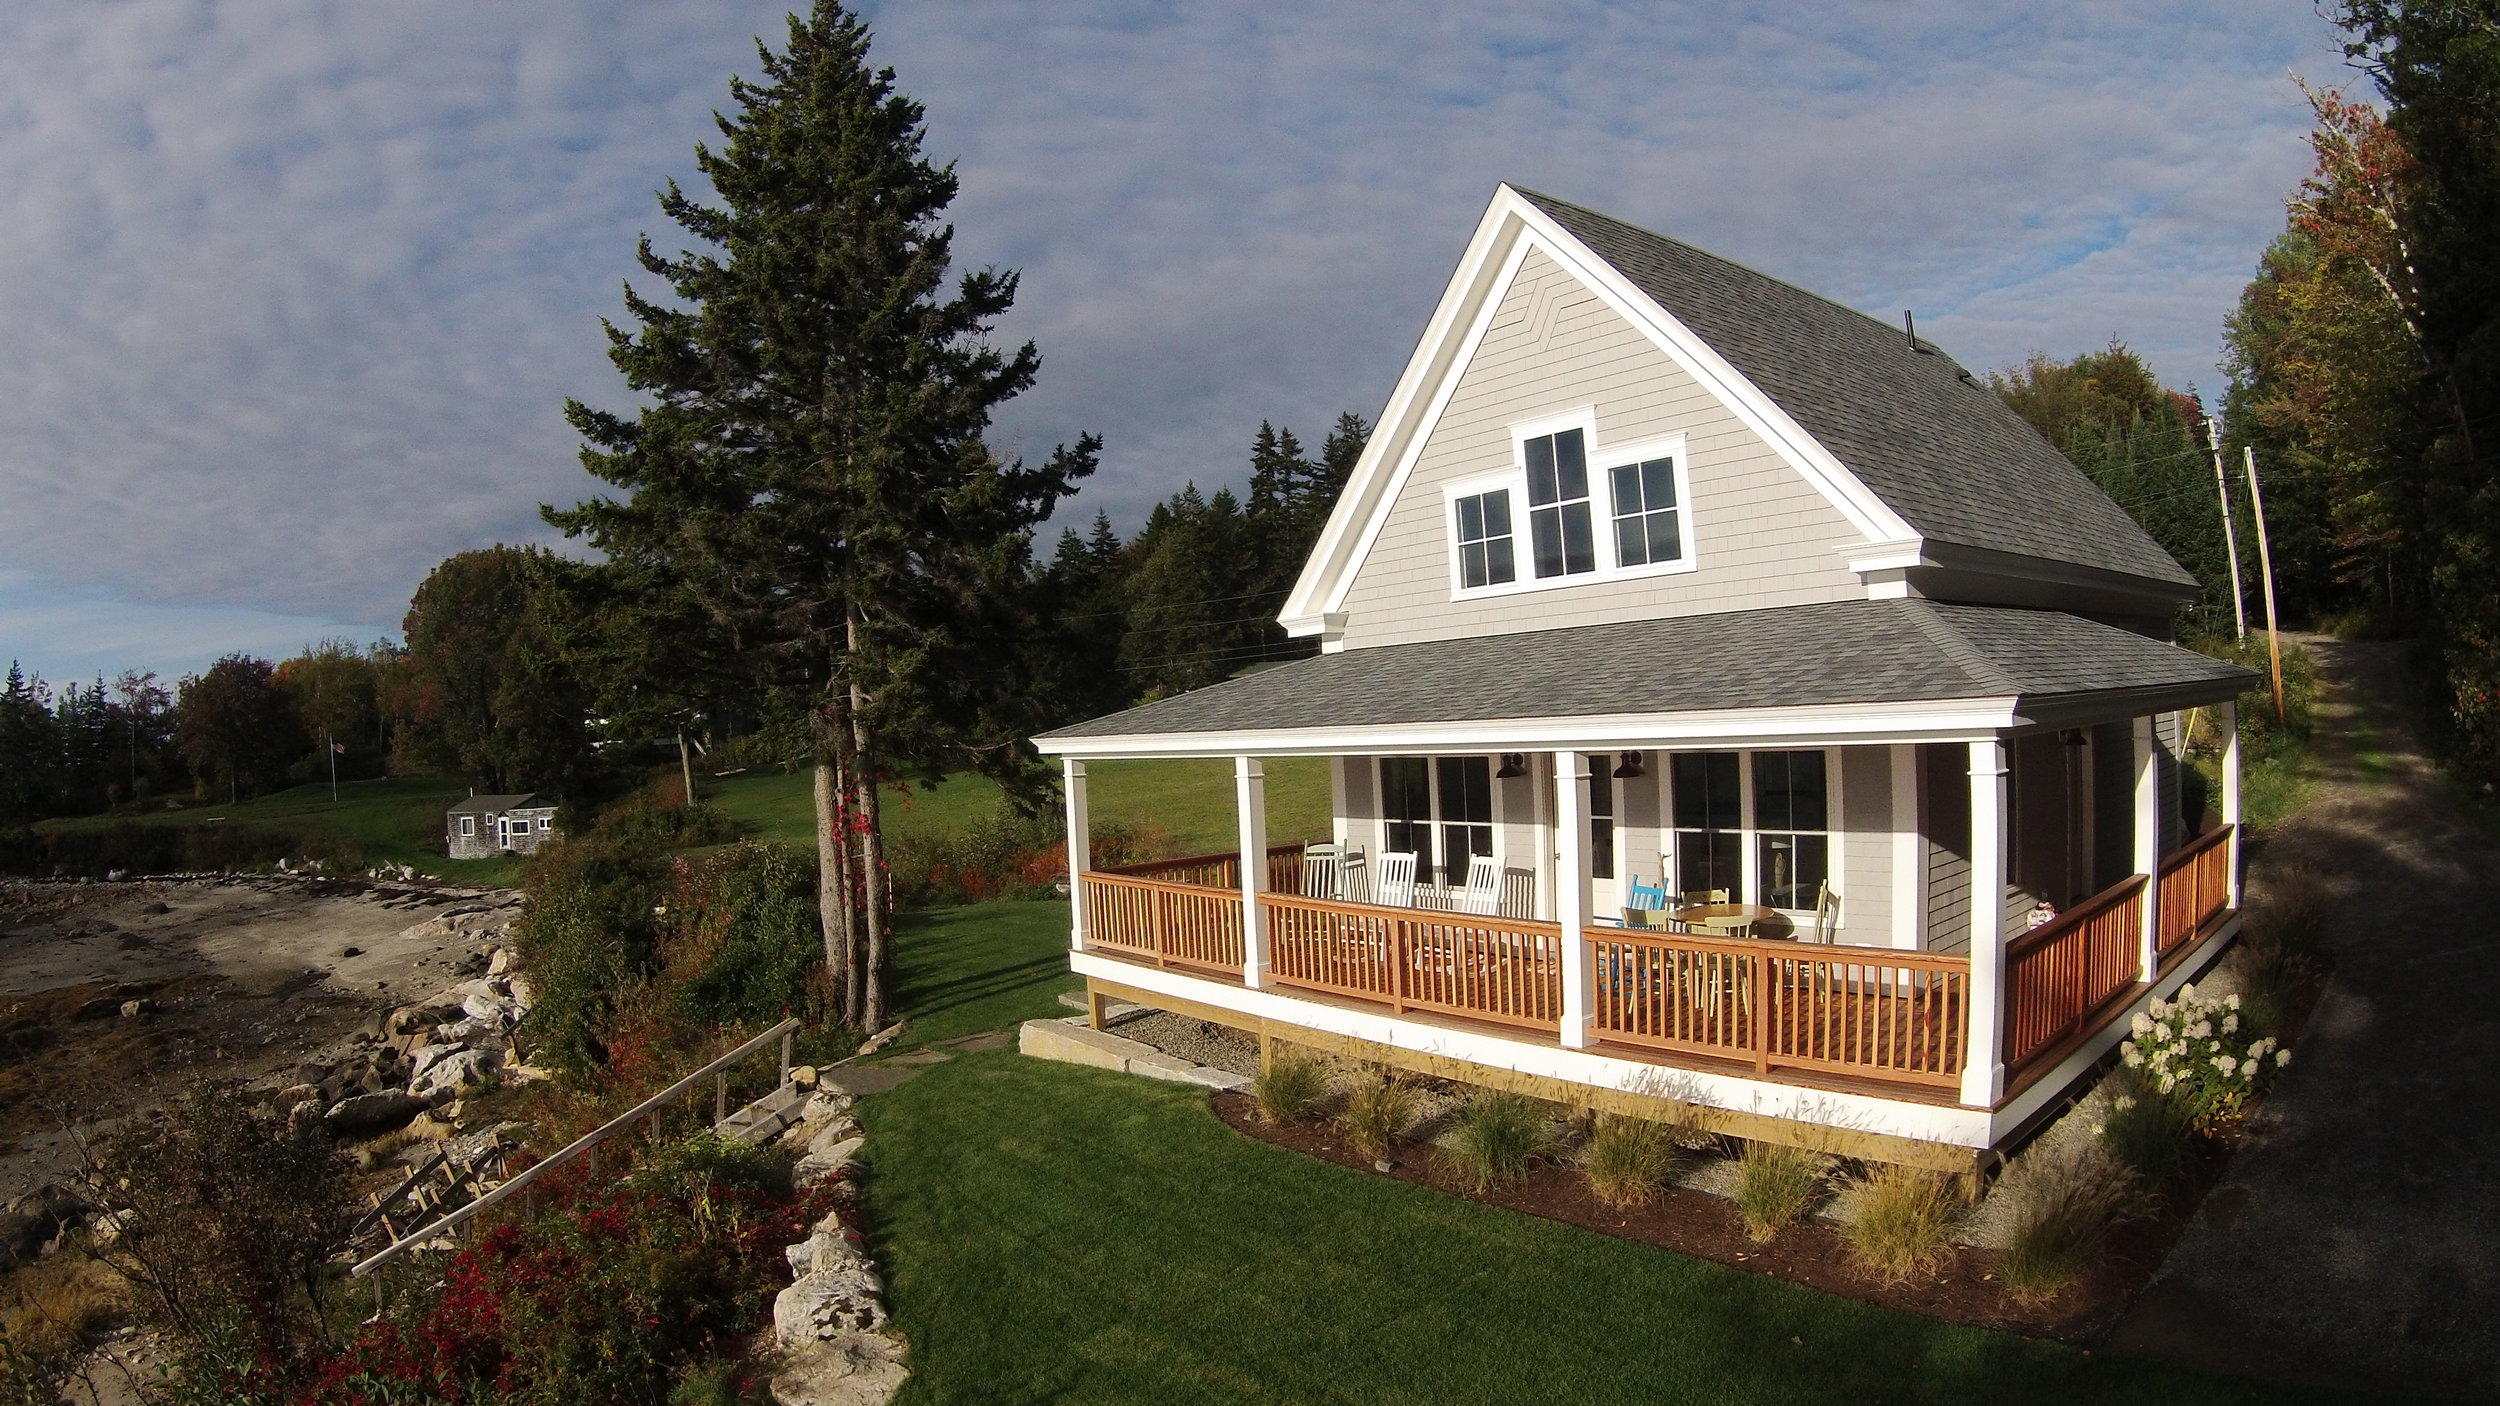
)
(1842, 669)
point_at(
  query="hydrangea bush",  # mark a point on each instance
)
(2196, 1052)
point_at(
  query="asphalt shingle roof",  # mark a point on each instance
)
(1938, 447)
(1855, 651)
(492, 805)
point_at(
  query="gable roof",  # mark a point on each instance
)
(495, 805)
(1938, 447)
(1830, 654)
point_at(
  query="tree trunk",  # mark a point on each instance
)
(833, 871)
(873, 901)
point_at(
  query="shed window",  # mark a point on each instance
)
(1559, 524)
(468, 827)
(1485, 555)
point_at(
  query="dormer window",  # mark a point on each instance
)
(1558, 505)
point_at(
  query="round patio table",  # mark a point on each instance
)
(1726, 919)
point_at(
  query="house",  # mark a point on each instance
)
(1662, 588)
(482, 827)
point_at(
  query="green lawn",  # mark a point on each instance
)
(1058, 1234)
(1189, 803)
(984, 966)
(396, 819)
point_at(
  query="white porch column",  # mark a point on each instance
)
(1983, 1068)
(2227, 717)
(1080, 849)
(2148, 842)
(1250, 798)
(1571, 895)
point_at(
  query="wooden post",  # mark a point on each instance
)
(1571, 895)
(786, 1038)
(2265, 569)
(1080, 850)
(1983, 1069)
(720, 1098)
(1097, 1007)
(1250, 799)
(2227, 716)
(2148, 846)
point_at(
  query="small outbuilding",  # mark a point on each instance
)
(482, 827)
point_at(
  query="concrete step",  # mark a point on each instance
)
(764, 1119)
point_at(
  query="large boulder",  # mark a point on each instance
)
(34, 1220)
(826, 1164)
(457, 1070)
(846, 1296)
(849, 1369)
(371, 1115)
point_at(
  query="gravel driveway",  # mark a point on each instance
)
(2357, 1237)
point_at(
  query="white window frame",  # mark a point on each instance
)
(468, 827)
(1603, 459)
(1749, 856)
(1433, 823)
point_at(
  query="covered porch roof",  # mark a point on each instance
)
(1855, 670)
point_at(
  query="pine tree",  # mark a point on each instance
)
(808, 478)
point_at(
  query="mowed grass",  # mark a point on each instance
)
(396, 819)
(1187, 803)
(983, 966)
(1059, 1234)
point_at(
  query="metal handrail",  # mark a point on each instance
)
(580, 1146)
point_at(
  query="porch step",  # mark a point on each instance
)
(765, 1118)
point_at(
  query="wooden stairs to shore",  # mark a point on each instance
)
(766, 1118)
(444, 1183)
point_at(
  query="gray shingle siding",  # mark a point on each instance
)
(1936, 446)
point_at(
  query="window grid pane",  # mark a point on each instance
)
(1484, 551)
(1646, 531)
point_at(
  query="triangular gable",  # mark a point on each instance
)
(1511, 229)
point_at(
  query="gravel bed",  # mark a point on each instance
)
(1198, 1041)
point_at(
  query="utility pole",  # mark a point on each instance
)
(331, 747)
(685, 764)
(2230, 540)
(2265, 567)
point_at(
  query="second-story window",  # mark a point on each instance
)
(1485, 554)
(1560, 530)
(1647, 527)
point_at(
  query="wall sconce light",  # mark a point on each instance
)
(1514, 765)
(1628, 767)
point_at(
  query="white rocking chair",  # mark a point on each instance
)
(1395, 886)
(1483, 894)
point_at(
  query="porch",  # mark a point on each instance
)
(1824, 1015)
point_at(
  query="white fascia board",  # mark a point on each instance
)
(1925, 1122)
(1511, 228)
(1432, 363)
(1844, 724)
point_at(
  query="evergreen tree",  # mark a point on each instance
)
(29, 749)
(808, 478)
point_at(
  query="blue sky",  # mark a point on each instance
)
(291, 291)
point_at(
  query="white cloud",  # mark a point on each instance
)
(291, 291)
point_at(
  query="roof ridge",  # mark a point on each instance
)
(1797, 288)
(1928, 620)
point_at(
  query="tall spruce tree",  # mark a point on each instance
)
(808, 476)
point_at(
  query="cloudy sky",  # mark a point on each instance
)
(291, 291)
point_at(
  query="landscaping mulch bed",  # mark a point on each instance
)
(1812, 1252)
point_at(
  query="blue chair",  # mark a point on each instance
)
(1644, 906)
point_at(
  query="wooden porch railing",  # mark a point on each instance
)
(2195, 887)
(1866, 1011)
(1221, 871)
(1173, 924)
(2059, 973)
(1507, 970)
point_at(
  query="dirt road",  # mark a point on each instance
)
(2357, 1236)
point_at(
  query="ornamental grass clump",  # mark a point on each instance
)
(1900, 1221)
(2144, 1131)
(1289, 1089)
(1775, 1186)
(2198, 1054)
(1628, 1160)
(1494, 1138)
(2064, 1206)
(1377, 1114)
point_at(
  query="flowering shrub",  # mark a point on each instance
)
(611, 1294)
(2195, 1052)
